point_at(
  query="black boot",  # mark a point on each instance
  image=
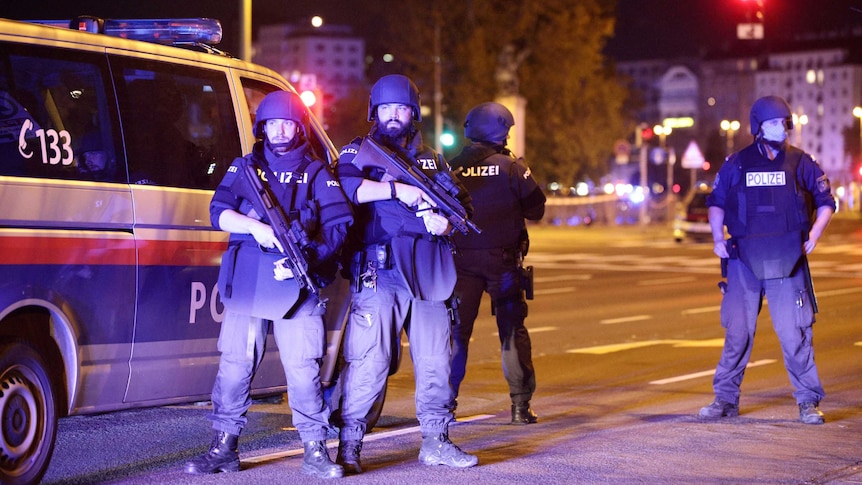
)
(316, 461)
(348, 456)
(522, 414)
(222, 456)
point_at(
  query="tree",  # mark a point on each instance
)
(575, 103)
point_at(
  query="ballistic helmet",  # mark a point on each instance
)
(394, 88)
(283, 105)
(488, 122)
(767, 108)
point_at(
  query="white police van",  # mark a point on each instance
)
(110, 148)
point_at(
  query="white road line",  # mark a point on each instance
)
(610, 348)
(841, 291)
(554, 291)
(636, 318)
(333, 443)
(705, 309)
(530, 330)
(666, 281)
(565, 277)
(696, 375)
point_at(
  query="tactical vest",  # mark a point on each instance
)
(766, 213)
(495, 205)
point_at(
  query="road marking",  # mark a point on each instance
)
(566, 277)
(607, 349)
(333, 443)
(635, 318)
(842, 291)
(705, 309)
(696, 375)
(531, 330)
(666, 281)
(553, 291)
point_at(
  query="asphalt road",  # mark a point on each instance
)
(625, 338)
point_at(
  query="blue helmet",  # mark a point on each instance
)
(283, 105)
(488, 122)
(394, 88)
(767, 108)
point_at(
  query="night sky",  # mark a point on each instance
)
(645, 29)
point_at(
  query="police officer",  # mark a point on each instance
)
(760, 194)
(504, 195)
(404, 275)
(257, 290)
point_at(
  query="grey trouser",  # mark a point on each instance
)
(372, 336)
(792, 318)
(242, 342)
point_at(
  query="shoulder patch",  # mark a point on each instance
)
(823, 184)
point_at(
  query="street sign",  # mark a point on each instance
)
(692, 157)
(622, 151)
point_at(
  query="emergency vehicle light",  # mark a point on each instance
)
(160, 31)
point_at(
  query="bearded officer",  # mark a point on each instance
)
(403, 277)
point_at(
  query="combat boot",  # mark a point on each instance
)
(223, 456)
(523, 414)
(348, 456)
(439, 450)
(316, 462)
(719, 409)
(809, 414)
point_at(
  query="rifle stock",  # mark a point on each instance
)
(289, 232)
(441, 189)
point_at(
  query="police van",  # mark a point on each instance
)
(112, 139)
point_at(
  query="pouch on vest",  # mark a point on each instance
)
(431, 276)
(771, 256)
(247, 286)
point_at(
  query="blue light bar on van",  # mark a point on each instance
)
(160, 31)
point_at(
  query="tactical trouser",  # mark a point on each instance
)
(792, 318)
(378, 315)
(242, 342)
(496, 272)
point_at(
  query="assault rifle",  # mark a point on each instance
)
(289, 232)
(441, 189)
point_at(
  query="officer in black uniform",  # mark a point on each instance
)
(403, 275)
(258, 291)
(504, 195)
(765, 195)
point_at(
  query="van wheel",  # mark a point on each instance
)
(28, 415)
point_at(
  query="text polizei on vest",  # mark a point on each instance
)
(765, 179)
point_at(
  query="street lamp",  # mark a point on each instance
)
(729, 128)
(663, 132)
(857, 112)
(799, 121)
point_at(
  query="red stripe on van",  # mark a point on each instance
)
(35, 250)
(66, 250)
(181, 253)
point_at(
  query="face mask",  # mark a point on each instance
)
(775, 133)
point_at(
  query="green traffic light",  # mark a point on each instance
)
(447, 139)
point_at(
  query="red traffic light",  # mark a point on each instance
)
(647, 134)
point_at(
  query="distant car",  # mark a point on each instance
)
(692, 222)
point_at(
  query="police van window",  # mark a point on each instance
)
(255, 91)
(178, 123)
(56, 119)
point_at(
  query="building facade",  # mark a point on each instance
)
(329, 59)
(822, 86)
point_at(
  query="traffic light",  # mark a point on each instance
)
(447, 138)
(313, 101)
